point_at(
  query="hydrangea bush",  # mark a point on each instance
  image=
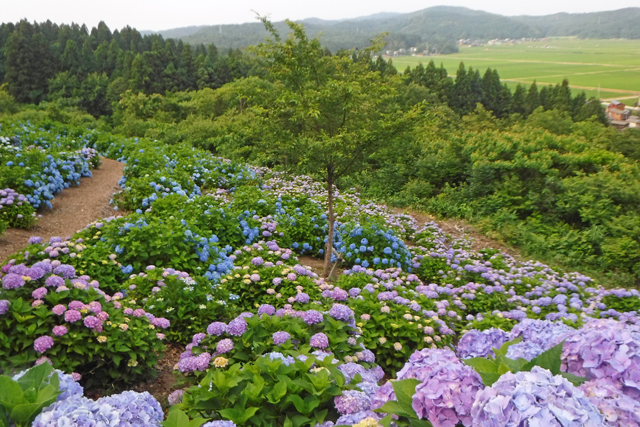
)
(46, 310)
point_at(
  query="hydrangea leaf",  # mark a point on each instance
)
(480, 364)
(573, 379)
(550, 360)
(502, 351)
(10, 393)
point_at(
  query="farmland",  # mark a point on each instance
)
(612, 65)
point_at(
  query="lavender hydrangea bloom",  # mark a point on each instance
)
(78, 411)
(534, 398)
(341, 312)
(216, 328)
(219, 423)
(481, 343)
(525, 350)
(175, 397)
(4, 306)
(544, 333)
(267, 309)
(224, 346)
(65, 270)
(12, 281)
(287, 360)
(619, 410)
(311, 317)
(351, 419)
(237, 326)
(43, 344)
(54, 281)
(605, 348)
(319, 340)
(281, 337)
(136, 409)
(351, 402)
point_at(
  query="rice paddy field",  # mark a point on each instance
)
(608, 68)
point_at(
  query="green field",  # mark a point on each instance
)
(611, 65)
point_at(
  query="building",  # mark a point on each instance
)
(617, 111)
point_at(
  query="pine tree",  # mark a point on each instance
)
(29, 64)
(533, 99)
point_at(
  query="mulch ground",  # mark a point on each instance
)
(72, 209)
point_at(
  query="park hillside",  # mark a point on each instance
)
(266, 259)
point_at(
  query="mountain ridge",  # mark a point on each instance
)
(426, 27)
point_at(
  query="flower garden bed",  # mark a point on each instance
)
(208, 258)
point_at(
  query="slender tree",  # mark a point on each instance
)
(331, 113)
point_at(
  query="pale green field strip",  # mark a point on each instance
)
(612, 65)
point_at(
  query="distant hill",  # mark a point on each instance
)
(426, 27)
(614, 24)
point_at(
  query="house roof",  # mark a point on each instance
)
(615, 102)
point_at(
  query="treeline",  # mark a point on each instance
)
(91, 69)
(468, 89)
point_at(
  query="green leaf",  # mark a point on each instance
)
(480, 364)
(10, 393)
(405, 389)
(574, 379)
(550, 359)
(298, 403)
(393, 407)
(248, 413)
(502, 351)
(278, 392)
(488, 378)
(386, 421)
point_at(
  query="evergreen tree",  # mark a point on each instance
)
(29, 64)
(518, 102)
(533, 99)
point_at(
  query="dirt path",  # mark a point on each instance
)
(72, 210)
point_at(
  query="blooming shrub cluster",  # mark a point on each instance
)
(213, 256)
(48, 311)
(42, 161)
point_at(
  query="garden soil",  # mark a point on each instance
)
(72, 210)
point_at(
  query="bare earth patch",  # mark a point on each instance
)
(72, 210)
(461, 229)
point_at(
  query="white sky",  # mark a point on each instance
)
(167, 14)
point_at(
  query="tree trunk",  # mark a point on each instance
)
(329, 246)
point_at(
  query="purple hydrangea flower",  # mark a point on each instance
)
(92, 322)
(605, 348)
(43, 344)
(541, 332)
(267, 309)
(216, 328)
(237, 326)
(524, 350)
(481, 343)
(136, 409)
(72, 316)
(197, 338)
(219, 423)
(161, 322)
(65, 270)
(302, 298)
(55, 281)
(351, 402)
(35, 240)
(319, 340)
(78, 411)
(60, 330)
(619, 410)
(281, 337)
(224, 346)
(175, 397)
(312, 317)
(12, 281)
(39, 293)
(533, 398)
(4, 306)
(341, 312)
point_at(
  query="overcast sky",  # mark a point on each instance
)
(166, 14)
